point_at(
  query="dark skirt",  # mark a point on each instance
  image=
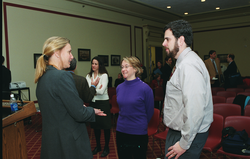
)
(131, 146)
(101, 122)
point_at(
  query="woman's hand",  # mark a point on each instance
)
(96, 81)
(99, 112)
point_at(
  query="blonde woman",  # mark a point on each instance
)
(64, 132)
(136, 104)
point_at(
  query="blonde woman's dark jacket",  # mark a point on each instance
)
(64, 133)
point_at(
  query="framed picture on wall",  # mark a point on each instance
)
(222, 57)
(105, 59)
(36, 56)
(84, 54)
(115, 60)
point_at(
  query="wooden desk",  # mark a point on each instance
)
(13, 134)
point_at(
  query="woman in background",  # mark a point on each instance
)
(64, 116)
(157, 82)
(119, 80)
(136, 103)
(100, 101)
(158, 69)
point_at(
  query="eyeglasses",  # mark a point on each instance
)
(126, 66)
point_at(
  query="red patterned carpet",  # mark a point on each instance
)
(33, 140)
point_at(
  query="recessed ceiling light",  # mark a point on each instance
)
(217, 8)
(168, 6)
(186, 13)
(203, 0)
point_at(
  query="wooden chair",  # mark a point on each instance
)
(226, 109)
(215, 133)
(239, 123)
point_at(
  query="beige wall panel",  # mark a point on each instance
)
(28, 29)
(235, 41)
(139, 44)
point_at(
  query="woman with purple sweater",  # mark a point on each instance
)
(136, 103)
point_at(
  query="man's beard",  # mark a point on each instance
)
(173, 53)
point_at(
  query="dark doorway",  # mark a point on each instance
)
(158, 54)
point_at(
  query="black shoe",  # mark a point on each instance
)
(105, 152)
(96, 150)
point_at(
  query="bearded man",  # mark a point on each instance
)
(188, 106)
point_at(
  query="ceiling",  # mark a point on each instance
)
(157, 9)
(179, 7)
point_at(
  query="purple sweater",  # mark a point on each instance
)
(136, 103)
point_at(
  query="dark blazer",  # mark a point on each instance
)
(231, 70)
(118, 81)
(166, 73)
(85, 92)
(64, 132)
(6, 79)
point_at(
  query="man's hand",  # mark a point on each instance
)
(99, 112)
(96, 81)
(175, 150)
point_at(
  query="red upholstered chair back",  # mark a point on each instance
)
(247, 110)
(159, 94)
(247, 90)
(230, 100)
(243, 86)
(227, 109)
(226, 94)
(244, 93)
(236, 90)
(216, 127)
(154, 122)
(239, 123)
(111, 92)
(217, 89)
(219, 99)
(215, 133)
(115, 107)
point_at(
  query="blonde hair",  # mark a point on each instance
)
(51, 45)
(135, 63)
